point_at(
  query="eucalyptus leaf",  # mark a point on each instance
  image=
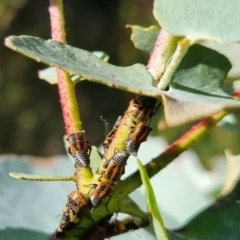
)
(39, 204)
(229, 123)
(21, 233)
(144, 38)
(130, 207)
(217, 222)
(50, 75)
(233, 173)
(195, 90)
(231, 51)
(197, 20)
(152, 206)
(30, 177)
(135, 78)
(96, 158)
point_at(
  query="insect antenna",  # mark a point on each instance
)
(106, 124)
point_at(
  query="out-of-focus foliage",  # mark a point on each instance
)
(8, 10)
(188, 20)
(152, 206)
(29, 109)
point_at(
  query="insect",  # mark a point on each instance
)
(99, 192)
(111, 134)
(115, 166)
(79, 148)
(110, 228)
(145, 108)
(138, 135)
(73, 212)
(113, 170)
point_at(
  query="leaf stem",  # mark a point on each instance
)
(182, 48)
(68, 100)
(174, 150)
(30, 177)
(66, 89)
(164, 48)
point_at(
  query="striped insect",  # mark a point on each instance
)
(79, 148)
(143, 109)
(99, 192)
(110, 135)
(147, 105)
(114, 168)
(111, 228)
(72, 213)
(136, 137)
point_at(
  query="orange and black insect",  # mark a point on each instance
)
(72, 213)
(138, 135)
(142, 102)
(113, 170)
(115, 166)
(110, 135)
(99, 192)
(146, 107)
(79, 148)
(111, 228)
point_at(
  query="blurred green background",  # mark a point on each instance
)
(30, 114)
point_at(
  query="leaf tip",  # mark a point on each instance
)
(8, 42)
(12, 174)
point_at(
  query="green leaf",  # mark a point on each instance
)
(49, 74)
(96, 158)
(37, 207)
(229, 123)
(144, 38)
(30, 177)
(206, 19)
(130, 207)
(195, 90)
(218, 222)
(233, 173)
(135, 79)
(152, 206)
(17, 234)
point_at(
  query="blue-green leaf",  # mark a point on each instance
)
(30, 177)
(49, 74)
(144, 38)
(195, 90)
(135, 78)
(96, 158)
(199, 20)
(152, 206)
(20, 233)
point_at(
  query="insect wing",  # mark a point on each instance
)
(77, 142)
(111, 134)
(102, 190)
(139, 135)
(113, 172)
(73, 211)
(81, 159)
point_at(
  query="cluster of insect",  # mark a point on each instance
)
(113, 168)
